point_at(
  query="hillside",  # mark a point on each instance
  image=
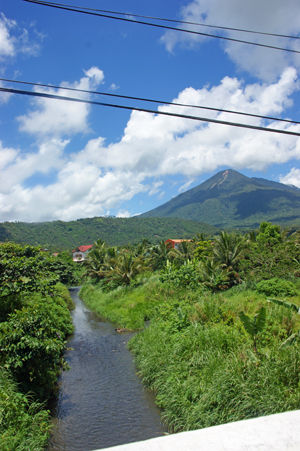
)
(114, 231)
(230, 199)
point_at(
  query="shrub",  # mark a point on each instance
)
(32, 342)
(276, 287)
(186, 275)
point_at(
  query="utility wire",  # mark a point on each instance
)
(151, 24)
(163, 19)
(131, 108)
(141, 99)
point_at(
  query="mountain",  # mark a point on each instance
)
(230, 199)
(114, 231)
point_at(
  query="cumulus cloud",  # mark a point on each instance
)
(273, 16)
(101, 177)
(156, 145)
(292, 178)
(16, 167)
(51, 117)
(14, 39)
(7, 41)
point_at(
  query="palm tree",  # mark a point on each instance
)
(126, 268)
(100, 260)
(228, 249)
(185, 248)
(213, 275)
(159, 255)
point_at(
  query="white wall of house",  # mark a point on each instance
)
(79, 256)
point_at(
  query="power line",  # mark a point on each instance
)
(163, 19)
(107, 16)
(164, 113)
(162, 102)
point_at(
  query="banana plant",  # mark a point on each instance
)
(289, 305)
(255, 325)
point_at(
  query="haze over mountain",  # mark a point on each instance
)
(230, 199)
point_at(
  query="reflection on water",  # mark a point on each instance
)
(101, 402)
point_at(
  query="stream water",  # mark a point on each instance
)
(101, 400)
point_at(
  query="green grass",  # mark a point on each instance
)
(126, 307)
(207, 372)
(197, 357)
(24, 425)
(209, 375)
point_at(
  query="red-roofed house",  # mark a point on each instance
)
(80, 253)
(174, 243)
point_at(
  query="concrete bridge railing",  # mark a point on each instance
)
(279, 432)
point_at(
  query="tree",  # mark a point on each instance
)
(126, 268)
(269, 235)
(228, 249)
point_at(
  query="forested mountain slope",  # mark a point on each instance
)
(114, 231)
(230, 199)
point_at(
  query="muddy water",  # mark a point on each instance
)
(101, 402)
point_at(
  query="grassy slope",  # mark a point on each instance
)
(197, 357)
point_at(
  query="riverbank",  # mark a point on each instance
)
(197, 357)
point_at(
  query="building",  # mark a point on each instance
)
(174, 243)
(81, 252)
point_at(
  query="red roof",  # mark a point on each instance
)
(84, 248)
(176, 241)
(172, 243)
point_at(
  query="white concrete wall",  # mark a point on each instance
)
(280, 432)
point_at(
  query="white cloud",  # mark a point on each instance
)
(16, 167)
(7, 156)
(7, 41)
(51, 117)
(185, 186)
(272, 16)
(123, 214)
(14, 39)
(114, 87)
(292, 178)
(155, 187)
(99, 178)
(156, 145)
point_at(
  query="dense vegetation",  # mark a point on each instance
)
(230, 199)
(58, 235)
(222, 343)
(223, 340)
(35, 322)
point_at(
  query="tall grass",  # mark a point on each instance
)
(127, 307)
(197, 356)
(208, 375)
(24, 425)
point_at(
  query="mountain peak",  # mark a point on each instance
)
(224, 180)
(231, 199)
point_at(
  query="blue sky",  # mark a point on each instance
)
(61, 160)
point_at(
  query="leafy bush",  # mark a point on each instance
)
(32, 342)
(186, 275)
(276, 287)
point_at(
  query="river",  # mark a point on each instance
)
(101, 400)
